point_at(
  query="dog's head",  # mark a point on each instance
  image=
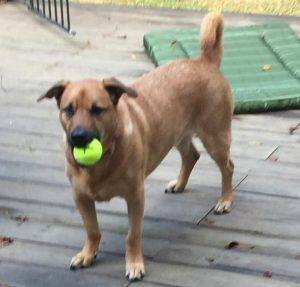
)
(88, 108)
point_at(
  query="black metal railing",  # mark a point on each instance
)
(55, 11)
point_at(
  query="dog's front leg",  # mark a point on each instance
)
(86, 207)
(135, 269)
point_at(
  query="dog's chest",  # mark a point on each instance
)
(104, 191)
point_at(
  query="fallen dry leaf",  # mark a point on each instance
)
(232, 244)
(208, 221)
(122, 36)
(210, 259)
(21, 219)
(273, 158)
(266, 67)
(293, 129)
(4, 241)
(173, 43)
(268, 274)
(239, 246)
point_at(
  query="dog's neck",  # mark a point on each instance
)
(110, 144)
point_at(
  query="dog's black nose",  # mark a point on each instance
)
(80, 137)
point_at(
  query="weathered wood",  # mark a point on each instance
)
(289, 155)
(159, 250)
(208, 234)
(263, 215)
(22, 274)
(278, 185)
(177, 274)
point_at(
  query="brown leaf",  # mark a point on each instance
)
(239, 246)
(122, 36)
(293, 129)
(173, 43)
(232, 244)
(4, 241)
(297, 257)
(268, 274)
(273, 158)
(210, 259)
(209, 221)
(21, 219)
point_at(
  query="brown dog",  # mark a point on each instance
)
(172, 103)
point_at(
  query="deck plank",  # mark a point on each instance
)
(173, 274)
(21, 274)
(159, 250)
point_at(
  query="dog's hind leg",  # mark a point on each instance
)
(218, 146)
(189, 156)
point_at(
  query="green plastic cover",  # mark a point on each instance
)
(262, 62)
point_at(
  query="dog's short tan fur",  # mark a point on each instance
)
(162, 109)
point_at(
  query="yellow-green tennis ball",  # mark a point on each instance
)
(89, 154)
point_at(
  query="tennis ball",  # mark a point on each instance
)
(89, 154)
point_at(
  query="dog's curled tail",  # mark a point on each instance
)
(211, 37)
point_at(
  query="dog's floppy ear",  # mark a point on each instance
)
(115, 89)
(55, 92)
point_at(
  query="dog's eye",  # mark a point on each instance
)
(95, 111)
(69, 110)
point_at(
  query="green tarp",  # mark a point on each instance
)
(262, 62)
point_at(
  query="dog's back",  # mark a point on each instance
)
(184, 77)
(180, 97)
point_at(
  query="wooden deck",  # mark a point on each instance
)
(183, 245)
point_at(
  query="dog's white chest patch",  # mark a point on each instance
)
(128, 126)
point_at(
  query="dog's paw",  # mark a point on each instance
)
(174, 187)
(82, 259)
(223, 206)
(135, 271)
